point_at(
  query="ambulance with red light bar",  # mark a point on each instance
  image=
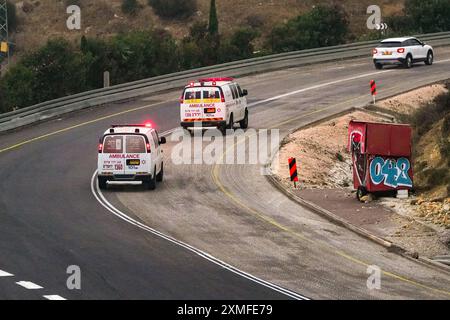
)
(214, 103)
(130, 153)
(402, 51)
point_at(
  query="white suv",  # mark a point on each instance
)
(402, 51)
(130, 153)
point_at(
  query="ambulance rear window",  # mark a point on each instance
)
(136, 144)
(113, 144)
(211, 94)
(191, 95)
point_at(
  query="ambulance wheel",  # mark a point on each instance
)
(102, 183)
(361, 192)
(231, 123)
(151, 184)
(160, 175)
(244, 123)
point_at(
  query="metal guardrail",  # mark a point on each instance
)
(49, 109)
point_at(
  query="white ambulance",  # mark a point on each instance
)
(130, 153)
(214, 103)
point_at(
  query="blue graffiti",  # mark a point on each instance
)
(391, 172)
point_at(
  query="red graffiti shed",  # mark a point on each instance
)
(381, 156)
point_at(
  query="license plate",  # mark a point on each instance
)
(387, 53)
(133, 162)
(210, 110)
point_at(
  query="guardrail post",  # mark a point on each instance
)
(106, 79)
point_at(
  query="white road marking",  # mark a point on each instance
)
(5, 274)
(316, 87)
(440, 61)
(29, 285)
(108, 206)
(54, 297)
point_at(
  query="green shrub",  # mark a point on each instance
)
(239, 46)
(200, 48)
(174, 8)
(437, 176)
(429, 15)
(130, 7)
(425, 117)
(322, 26)
(446, 127)
(16, 88)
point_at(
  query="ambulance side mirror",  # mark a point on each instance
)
(162, 140)
(245, 92)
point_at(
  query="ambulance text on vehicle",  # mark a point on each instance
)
(130, 153)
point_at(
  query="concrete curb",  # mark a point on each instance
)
(390, 246)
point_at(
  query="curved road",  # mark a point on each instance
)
(49, 218)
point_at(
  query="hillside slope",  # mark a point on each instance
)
(42, 19)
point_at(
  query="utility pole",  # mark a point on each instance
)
(4, 35)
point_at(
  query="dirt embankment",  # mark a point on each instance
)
(420, 223)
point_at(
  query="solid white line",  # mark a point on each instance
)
(316, 87)
(5, 274)
(29, 285)
(107, 205)
(54, 297)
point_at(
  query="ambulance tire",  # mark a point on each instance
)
(151, 184)
(102, 183)
(160, 175)
(244, 123)
(230, 125)
(361, 192)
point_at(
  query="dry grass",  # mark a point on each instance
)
(104, 18)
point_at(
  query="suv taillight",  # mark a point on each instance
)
(374, 51)
(401, 50)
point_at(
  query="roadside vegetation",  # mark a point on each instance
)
(432, 145)
(135, 55)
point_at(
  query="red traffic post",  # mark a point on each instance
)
(373, 90)
(293, 171)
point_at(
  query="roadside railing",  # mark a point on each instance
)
(50, 109)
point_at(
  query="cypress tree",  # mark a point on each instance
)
(213, 21)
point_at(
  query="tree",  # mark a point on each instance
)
(174, 8)
(60, 70)
(213, 26)
(322, 26)
(238, 46)
(16, 88)
(429, 15)
(12, 15)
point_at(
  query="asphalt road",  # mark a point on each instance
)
(49, 218)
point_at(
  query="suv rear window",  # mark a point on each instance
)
(113, 144)
(390, 44)
(136, 144)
